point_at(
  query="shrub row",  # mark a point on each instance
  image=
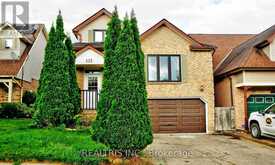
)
(15, 110)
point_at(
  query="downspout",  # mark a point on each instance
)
(231, 92)
(22, 76)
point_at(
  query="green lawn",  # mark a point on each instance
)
(20, 142)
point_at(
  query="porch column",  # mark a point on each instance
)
(10, 91)
(245, 107)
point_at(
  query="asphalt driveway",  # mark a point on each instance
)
(179, 149)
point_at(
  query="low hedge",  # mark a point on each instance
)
(29, 98)
(15, 110)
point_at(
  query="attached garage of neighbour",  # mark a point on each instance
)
(177, 115)
(259, 102)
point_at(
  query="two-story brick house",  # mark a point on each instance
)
(179, 74)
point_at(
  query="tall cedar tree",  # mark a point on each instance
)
(128, 124)
(73, 89)
(53, 103)
(40, 116)
(141, 77)
(110, 66)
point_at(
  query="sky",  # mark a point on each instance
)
(192, 16)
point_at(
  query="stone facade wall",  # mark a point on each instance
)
(238, 102)
(197, 72)
(3, 93)
(80, 77)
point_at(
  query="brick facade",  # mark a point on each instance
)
(197, 72)
(80, 77)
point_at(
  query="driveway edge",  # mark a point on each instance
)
(246, 136)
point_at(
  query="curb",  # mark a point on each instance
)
(267, 142)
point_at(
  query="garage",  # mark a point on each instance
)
(177, 115)
(259, 102)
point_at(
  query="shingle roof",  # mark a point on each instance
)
(248, 55)
(12, 67)
(79, 45)
(224, 43)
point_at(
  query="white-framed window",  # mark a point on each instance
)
(259, 99)
(92, 83)
(250, 100)
(99, 35)
(269, 100)
(8, 43)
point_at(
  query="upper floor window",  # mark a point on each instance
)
(8, 43)
(164, 68)
(99, 35)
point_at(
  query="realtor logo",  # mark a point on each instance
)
(15, 12)
(268, 121)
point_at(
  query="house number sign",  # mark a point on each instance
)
(89, 60)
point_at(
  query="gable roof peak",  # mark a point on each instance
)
(195, 45)
(92, 18)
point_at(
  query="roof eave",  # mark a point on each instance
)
(237, 70)
(99, 13)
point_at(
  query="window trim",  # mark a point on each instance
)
(269, 98)
(252, 100)
(6, 42)
(169, 67)
(259, 102)
(103, 34)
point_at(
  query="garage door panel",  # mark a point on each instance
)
(167, 115)
(192, 111)
(167, 119)
(171, 116)
(167, 110)
(168, 128)
(170, 122)
(191, 124)
(193, 119)
(191, 107)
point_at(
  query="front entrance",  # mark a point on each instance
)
(92, 87)
(177, 115)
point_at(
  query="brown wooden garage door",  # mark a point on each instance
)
(177, 115)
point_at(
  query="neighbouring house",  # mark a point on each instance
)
(179, 74)
(21, 57)
(244, 70)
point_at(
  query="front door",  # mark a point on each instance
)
(92, 87)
